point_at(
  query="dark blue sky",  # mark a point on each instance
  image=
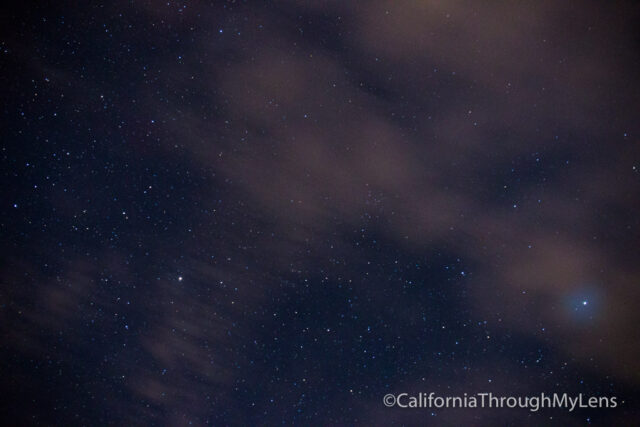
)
(238, 213)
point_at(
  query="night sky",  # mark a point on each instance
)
(266, 213)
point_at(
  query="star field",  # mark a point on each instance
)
(237, 213)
